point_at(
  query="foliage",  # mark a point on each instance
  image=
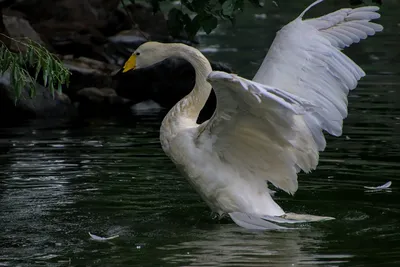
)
(54, 74)
(33, 56)
(207, 12)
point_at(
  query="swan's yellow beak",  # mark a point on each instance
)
(130, 64)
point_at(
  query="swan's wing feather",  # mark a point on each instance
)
(347, 26)
(305, 59)
(253, 130)
(266, 133)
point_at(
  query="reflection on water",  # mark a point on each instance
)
(110, 177)
(232, 246)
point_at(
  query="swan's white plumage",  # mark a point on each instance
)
(305, 60)
(347, 26)
(272, 141)
(253, 130)
(272, 127)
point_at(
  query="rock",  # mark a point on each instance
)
(96, 29)
(6, 3)
(101, 101)
(73, 38)
(90, 12)
(93, 38)
(86, 72)
(74, 27)
(83, 27)
(19, 28)
(3, 31)
(42, 105)
(146, 107)
(102, 96)
(165, 83)
(153, 24)
(123, 44)
(118, 20)
(146, 26)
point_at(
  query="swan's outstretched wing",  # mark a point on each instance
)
(305, 60)
(271, 134)
(253, 131)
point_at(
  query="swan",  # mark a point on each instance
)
(268, 129)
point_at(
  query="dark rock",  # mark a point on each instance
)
(83, 27)
(87, 72)
(89, 12)
(73, 27)
(93, 38)
(118, 21)
(42, 105)
(146, 26)
(3, 31)
(19, 28)
(123, 44)
(95, 101)
(165, 83)
(6, 3)
(74, 38)
(153, 24)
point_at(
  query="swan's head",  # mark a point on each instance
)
(146, 55)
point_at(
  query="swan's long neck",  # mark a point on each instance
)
(191, 105)
(185, 113)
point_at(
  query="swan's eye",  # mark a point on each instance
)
(137, 53)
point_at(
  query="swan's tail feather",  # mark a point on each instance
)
(306, 217)
(266, 222)
(252, 222)
(291, 218)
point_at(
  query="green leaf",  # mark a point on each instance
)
(175, 23)
(209, 23)
(186, 19)
(239, 5)
(256, 3)
(16, 79)
(2, 52)
(6, 62)
(31, 55)
(228, 7)
(199, 6)
(156, 5)
(38, 68)
(51, 87)
(193, 27)
(50, 82)
(45, 76)
(53, 71)
(66, 79)
(188, 5)
(32, 89)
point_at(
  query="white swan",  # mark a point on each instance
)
(267, 129)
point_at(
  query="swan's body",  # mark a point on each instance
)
(267, 129)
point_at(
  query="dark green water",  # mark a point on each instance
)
(108, 177)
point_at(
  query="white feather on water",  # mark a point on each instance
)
(99, 238)
(381, 187)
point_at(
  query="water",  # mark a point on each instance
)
(62, 180)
